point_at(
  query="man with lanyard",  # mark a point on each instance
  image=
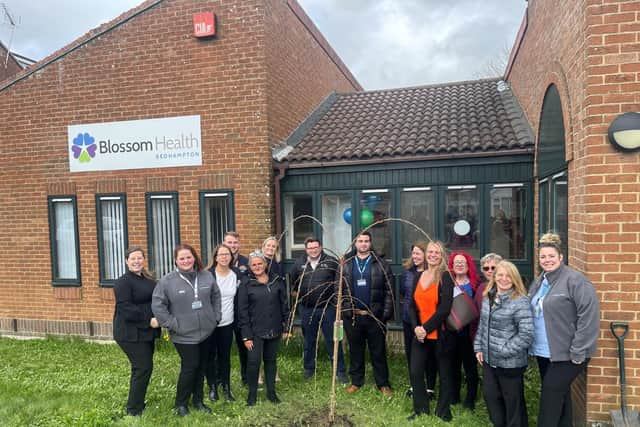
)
(314, 278)
(240, 262)
(367, 306)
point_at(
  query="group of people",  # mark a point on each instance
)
(556, 321)
(203, 307)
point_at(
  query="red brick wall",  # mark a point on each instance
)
(148, 67)
(590, 50)
(303, 68)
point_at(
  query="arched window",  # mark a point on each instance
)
(552, 169)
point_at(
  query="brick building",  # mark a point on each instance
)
(574, 69)
(238, 92)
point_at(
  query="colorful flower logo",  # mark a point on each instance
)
(84, 147)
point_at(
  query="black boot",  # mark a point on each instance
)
(213, 393)
(273, 397)
(226, 392)
(251, 398)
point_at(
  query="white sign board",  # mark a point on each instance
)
(135, 144)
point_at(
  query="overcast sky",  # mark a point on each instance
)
(385, 43)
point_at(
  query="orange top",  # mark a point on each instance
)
(426, 301)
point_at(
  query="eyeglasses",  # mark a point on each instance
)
(221, 254)
(488, 267)
(256, 254)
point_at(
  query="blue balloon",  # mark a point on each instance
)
(372, 201)
(347, 215)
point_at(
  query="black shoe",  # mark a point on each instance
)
(251, 400)
(308, 373)
(226, 392)
(199, 406)
(409, 393)
(413, 416)
(273, 398)
(213, 393)
(133, 413)
(342, 378)
(182, 411)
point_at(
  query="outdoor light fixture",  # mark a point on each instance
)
(624, 132)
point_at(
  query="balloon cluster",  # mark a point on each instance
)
(366, 217)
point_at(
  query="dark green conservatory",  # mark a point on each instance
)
(456, 160)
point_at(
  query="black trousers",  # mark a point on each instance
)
(431, 371)
(140, 355)
(219, 364)
(267, 351)
(503, 391)
(446, 366)
(364, 330)
(555, 398)
(465, 357)
(242, 352)
(422, 354)
(193, 364)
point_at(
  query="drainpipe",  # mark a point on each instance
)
(282, 168)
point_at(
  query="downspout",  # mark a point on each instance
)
(282, 168)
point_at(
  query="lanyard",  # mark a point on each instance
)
(193, 286)
(364, 267)
(544, 290)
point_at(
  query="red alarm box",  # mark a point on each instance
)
(204, 24)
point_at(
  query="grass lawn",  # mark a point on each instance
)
(63, 382)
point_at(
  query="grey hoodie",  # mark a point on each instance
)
(571, 314)
(172, 305)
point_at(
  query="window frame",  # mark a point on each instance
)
(287, 243)
(202, 197)
(55, 280)
(173, 195)
(103, 282)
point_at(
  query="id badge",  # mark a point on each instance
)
(362, 282)
(196, 305)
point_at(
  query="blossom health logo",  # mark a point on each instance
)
(84, 147)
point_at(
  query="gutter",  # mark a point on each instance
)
(282, 170)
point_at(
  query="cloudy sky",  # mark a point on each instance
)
(385, 43)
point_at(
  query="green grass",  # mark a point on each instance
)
(70, 382)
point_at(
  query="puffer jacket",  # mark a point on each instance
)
(172, 305)
(381, 302)
(505, 332)
(407, 282)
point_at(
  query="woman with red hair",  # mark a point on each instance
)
(466, 280)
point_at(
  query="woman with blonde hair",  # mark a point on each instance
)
(501, 345)
(271, 252)
(429, 308)
(566, 324)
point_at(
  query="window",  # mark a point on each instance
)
(507, 220)
(375, 206)
(111, 219)
(461, 219)
(336, 223)
(163, 232)
(416, 206)
(63, 236)
(298, 210)
(216, 218)
(553, 208)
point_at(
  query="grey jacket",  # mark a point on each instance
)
(172, 305)
(505, 331)
(571, 314)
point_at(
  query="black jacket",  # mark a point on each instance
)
(443, 308)
(315, 287)
(262, 308)
(132, 312)
(381, 298)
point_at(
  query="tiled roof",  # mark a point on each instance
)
(456, 119)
